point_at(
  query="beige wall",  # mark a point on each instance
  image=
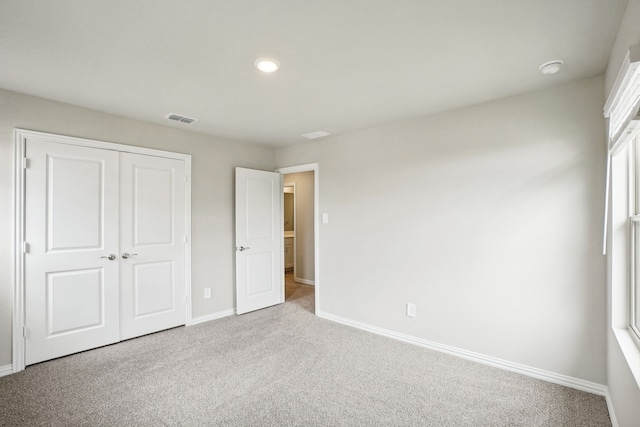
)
(625, 394)
(488, 218)
(304, 224)
(213, 163)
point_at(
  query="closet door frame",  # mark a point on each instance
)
(21, 136)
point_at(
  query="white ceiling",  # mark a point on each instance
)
(346, 64)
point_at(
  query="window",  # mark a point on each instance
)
(623, 112)
(634, 290)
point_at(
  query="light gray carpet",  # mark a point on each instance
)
(282, 366)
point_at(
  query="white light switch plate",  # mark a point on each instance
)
(325, 218)
(411, 310)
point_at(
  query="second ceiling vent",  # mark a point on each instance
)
(179, 118)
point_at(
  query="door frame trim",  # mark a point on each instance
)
(315, 168)
(20, 139)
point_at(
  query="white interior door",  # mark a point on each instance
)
(152, 242)
(259, 240)
(71, 227)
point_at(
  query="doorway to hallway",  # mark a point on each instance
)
(300, 233)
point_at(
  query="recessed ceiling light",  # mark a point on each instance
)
(316, 134)
(267, 65)
(551, 67)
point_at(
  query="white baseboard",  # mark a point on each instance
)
(529, 371)
(6, 370)
(305, 281)
(612, 413)
(212, 316)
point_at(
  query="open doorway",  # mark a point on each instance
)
(300, 235)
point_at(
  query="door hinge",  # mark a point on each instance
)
(25, 247)
(25, 163)
(24, 331)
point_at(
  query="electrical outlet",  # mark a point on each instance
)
(207, 293)
(411, 310)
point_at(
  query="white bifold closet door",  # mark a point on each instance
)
(104, 260)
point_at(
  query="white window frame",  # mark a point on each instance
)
(634, 285)
(622, 110)
(621, 258)
(634, 240)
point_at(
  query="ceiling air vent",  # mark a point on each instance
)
(179, 118)
(316, 134)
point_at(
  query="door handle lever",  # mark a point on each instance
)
(110, 257)
(243, 248)
(126, 255)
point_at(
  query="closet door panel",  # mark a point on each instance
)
(71, 228)
(152, 240)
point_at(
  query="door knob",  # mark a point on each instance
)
(127, 255)
(111, 257)
(243, 248)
